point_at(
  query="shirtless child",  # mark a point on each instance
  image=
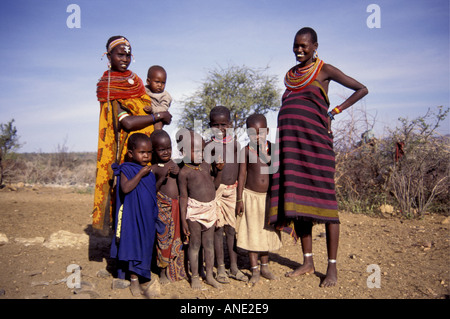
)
(225, 146)
(198, 206)
(253, 233)
(170, 254)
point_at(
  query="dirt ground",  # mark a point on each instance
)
(406, 259)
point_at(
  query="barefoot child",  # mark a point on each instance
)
(253, 233)
(169, 247)
(198, 206)
(155, 88)
(223, 145)
(136, 213)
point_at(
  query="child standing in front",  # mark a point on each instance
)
(198, 206)
(136, 219)
(169, 247)
(253, 232)
(155, 88)
(224, 146)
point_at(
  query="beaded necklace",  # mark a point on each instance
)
(196, 168)
(298, 78)
(226, 140)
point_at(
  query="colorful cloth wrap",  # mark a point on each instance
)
(112, 141)
(204, 213)
(169, 247)
(226, 202)
(303, 186)
(136, 223)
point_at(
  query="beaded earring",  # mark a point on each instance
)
(315, 55)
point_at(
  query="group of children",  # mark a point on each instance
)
(217, 189)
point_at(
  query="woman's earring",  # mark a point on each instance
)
(315, 56)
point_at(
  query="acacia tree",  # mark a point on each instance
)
(242, 89)
(9, 141)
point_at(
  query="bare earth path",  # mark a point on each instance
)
(44, 230)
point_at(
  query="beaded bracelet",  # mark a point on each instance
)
(337, 110)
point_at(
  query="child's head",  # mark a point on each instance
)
(191, 145)
(257, 129)
(140, 149)
(162, 146)
(118, 51)
(156, 79)
(220, 120)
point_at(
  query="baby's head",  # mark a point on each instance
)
(156, 79)
(220, 121)
(162, 146)
(140, 149)
(118, 51)
(257, 128)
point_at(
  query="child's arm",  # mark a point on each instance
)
(138, 122)
(182, 186)
(127, 185)
(242, 177)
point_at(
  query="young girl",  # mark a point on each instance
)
(303, 192)
(170, 253)
(136, 219)
(122, 98)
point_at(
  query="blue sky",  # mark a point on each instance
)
(49, 71)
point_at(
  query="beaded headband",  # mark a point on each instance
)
(117, 42)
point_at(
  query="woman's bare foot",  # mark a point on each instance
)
(305, 269)
(331, 276)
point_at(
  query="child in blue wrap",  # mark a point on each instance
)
(136, 219)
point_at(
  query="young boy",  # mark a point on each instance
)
(136, 219)
(253, 234)
(170, 254)
(155, 88)
(224, 146)
(198, 206)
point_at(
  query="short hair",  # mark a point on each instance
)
(255, 118)
(156, 135)
(135, 139)
(220, 110)
(155, 68)
(310, 31)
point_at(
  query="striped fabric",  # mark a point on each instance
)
(303, 185)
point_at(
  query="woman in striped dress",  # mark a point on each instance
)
(303, 191)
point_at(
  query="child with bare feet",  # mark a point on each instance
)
(225, 146)
(198, 206)
(253, 233)
(136, 219)
(155, 88)
(169, 246)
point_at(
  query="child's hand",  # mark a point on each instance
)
(174, 169)
(239, 208)
(220, 163)
(185, 228)
(145, 170)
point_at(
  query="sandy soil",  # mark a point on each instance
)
(412, 256)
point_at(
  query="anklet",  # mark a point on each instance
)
(134, 279)
(332, 261)
(308, 255)
(264, 264)
(254, 267)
